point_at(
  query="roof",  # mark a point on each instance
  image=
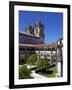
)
(41, 45)
(24, 33)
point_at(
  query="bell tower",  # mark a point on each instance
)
(29, 29)
(39, 30)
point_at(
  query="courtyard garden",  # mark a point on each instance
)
(36, 68)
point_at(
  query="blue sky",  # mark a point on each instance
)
(53, 23)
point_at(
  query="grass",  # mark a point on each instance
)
(53, 73)
(49, 73)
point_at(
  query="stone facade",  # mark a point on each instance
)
(25, 38)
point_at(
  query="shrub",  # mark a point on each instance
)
(32, 59)
(24, 72)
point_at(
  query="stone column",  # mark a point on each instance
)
(30, 50)
(60, 62)
(56, 62)
(39, 54)
(45, 50)
(51, 56)
(25, 54)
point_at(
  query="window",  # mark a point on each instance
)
(37, 30)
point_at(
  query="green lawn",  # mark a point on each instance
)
(53, 73)
(49, 73)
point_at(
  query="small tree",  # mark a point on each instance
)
(24, 72)
(32, 59)
(42, 64)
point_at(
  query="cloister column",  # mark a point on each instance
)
(39, 53)
(56, 61)
(45, 50)
(51, 56)
(30, 50)
(25, 54)
(60, 62)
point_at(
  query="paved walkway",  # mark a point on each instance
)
(37, 76)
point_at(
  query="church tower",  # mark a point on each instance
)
(29, 30)
(39, 30)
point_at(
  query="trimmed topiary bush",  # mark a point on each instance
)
(32, 59)
(42, 64)
(24, 72)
